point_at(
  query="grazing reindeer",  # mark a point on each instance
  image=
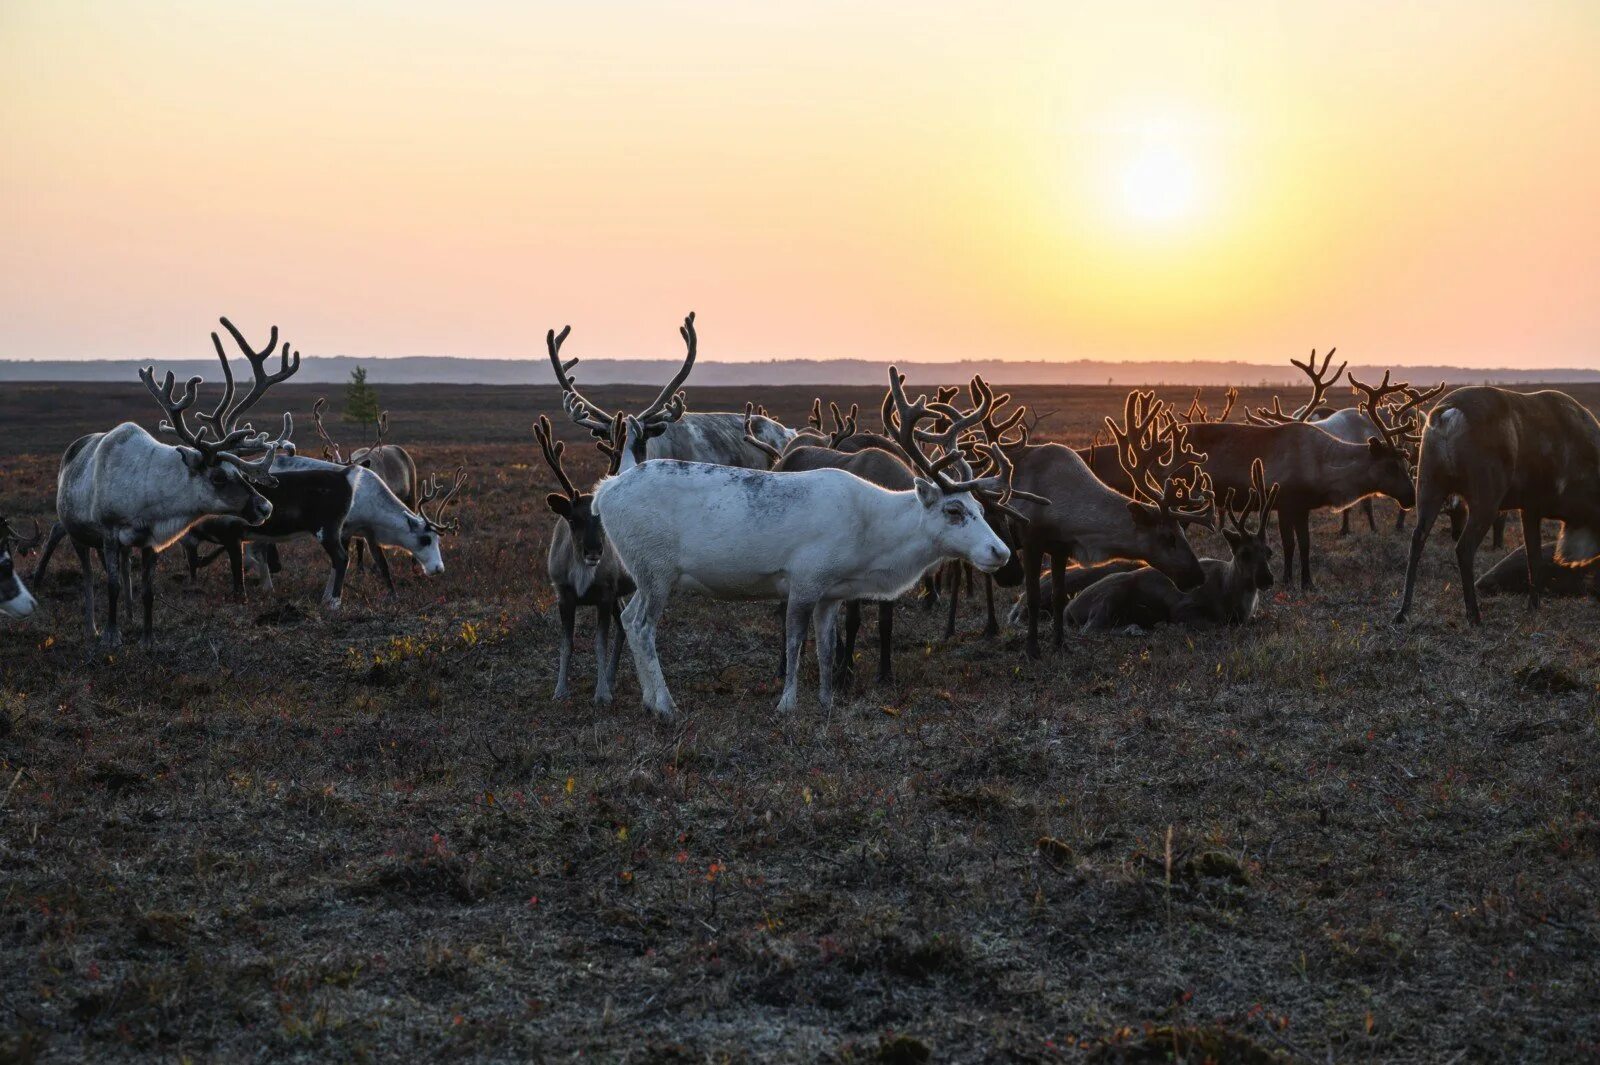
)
(1091, 522)
(311, 503)
(815, 538)
(582, 566)
(15, 600)
(1313, 469)
(123, 490)
(391, 462)
(1537, 452)
(665, 429)
(1145, 598)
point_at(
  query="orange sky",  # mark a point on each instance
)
(1412, 182)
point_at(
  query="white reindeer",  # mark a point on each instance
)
(15, 600)
(123, 490)
(665, 429)
(814, 538)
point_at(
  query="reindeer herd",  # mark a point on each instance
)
(738, 506)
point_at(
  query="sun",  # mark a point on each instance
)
(1157, 184)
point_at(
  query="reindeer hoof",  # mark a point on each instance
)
(332, 605)
(602, 698)
(786, 705)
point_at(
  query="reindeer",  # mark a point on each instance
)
(15, 600)
(313, 503)
(1145, 598)
(123, 490)
(815, 538)
(870, 464)
(1313, 469)
(1509, 576)
(1077, 579)
(391, 462)
(1091, 522)
(582, 566)
(665, 429)
(1497, 450)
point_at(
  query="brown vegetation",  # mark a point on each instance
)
(289, 834)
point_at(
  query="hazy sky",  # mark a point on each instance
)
(1410, 181)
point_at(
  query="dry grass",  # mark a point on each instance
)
(374, 835)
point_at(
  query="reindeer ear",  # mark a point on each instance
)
(192, 458)
(928, 493)
(559, 503)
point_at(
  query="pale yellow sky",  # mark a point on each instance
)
(1412, 182)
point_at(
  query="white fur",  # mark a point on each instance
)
(21, 603)
(815, 538)
(378, 516)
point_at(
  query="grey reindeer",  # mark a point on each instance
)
(582, 566)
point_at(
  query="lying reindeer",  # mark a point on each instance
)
(15, 600)
(1074, 581)
(1509, 576)
(816, 538)
(582, 566)
(1537, 452)
(1145, 598)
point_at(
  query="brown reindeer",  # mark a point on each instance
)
(1145, 598)
(1313, 468)
(1498, 450)
(1090, 522)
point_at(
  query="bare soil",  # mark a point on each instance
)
(373, 835)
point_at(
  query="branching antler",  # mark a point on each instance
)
(222, 423)
(553, 449)
(1260, 501)
(1153, 448)
(844, 425)
(759, 444)
(994, 485)
(330, 447)
(589, 415)
(1399, 430)
(431, 491)
(1320, 383)
(9, 536)
(669, 404)
(1199, 412)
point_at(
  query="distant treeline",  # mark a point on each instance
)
(429, 369)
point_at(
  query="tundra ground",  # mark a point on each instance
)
(373, 835)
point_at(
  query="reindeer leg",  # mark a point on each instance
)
(602, 653)
(1286, 538)
(235, 550)
(954, 569)
(852, 626)
(111, 557)
(1058, 603)
(1032, 558)
(126, 577)
(797, 619)
(1533, 547)
(1428, 507)
(382, 563)
(569, 616)
(783, 642)
(147, 565)
(1499, 540)
(1344, 522)
(930, 588)
(826, 616)
(58, 532)
(1399, 519)
(333, 545)
(1302, 532)
(1466, 550)
(639, 620)
(1372, 519)
(361, 553)
(614, 608)
(991, 624)
(886, 642)
(87, 566)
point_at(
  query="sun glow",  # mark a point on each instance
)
(1157, 185)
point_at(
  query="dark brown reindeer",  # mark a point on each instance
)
(1498, 450)
(1509, 576)
(1313, 468)
(1090, 522)
(1145, 598)
(582, 566)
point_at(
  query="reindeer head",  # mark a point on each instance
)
(957, 510)
(640, 428)
(1154, 450)
(1252, 555)
(1394, 413)
(15, 600)
(222, 482)
(570, 505)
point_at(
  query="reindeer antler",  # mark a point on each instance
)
(1320, 383)
(430, 492)
(589, 415)
(330, 447)
(1152, 447)
(755, 441)
(8, 535)
(553, 449)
